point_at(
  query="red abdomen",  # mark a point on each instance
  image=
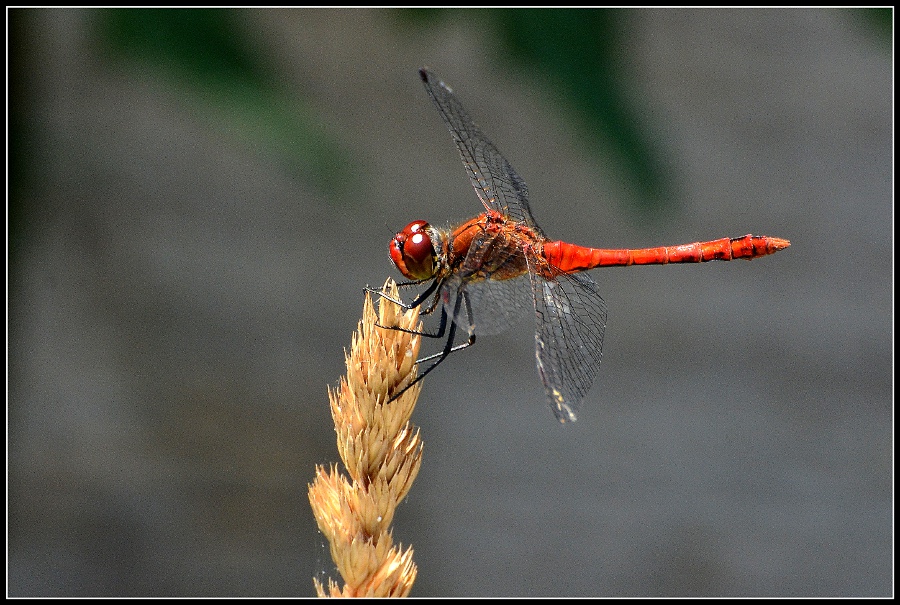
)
(570, 258)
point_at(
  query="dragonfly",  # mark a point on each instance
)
(485, 272)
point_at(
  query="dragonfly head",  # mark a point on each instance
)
(413, 252)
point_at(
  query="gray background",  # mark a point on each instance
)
(180, 300)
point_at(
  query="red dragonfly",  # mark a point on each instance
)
(486, 270)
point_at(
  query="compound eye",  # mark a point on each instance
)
(413, 252)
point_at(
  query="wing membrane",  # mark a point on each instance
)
(571, 319)
(495, 181)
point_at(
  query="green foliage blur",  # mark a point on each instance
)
(207, 56)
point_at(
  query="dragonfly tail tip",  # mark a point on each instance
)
(780, 244)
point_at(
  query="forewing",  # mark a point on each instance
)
(497, 184)
(571, 318)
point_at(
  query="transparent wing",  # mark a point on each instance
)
(497, 305)
(496, 183)
(571, 318)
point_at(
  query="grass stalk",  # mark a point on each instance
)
(381, 452)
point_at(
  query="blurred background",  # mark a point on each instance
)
(197, 199)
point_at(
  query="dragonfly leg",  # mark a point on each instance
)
(417, 302)
(448, 347)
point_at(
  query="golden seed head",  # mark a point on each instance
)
(381, 451)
